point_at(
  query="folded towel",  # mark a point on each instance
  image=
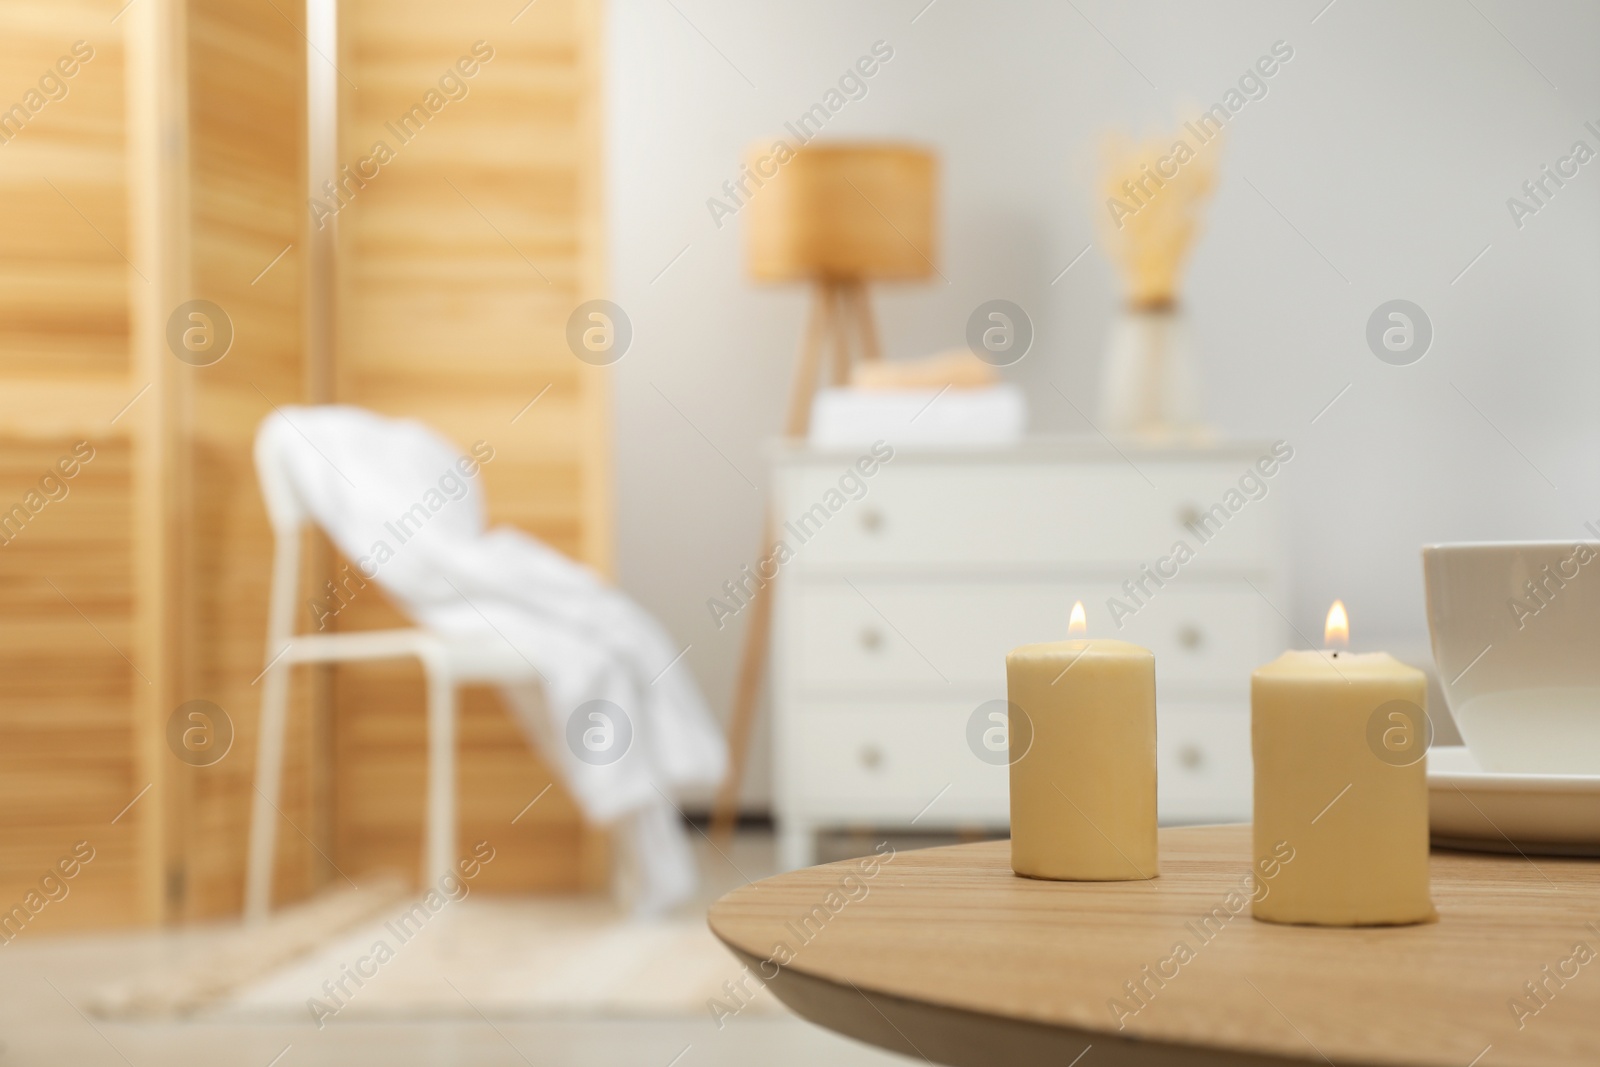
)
(395, 494)
(994, 416)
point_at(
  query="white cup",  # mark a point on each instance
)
(1516, 638)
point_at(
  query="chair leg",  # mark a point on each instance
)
(439, 848)
(264, 802)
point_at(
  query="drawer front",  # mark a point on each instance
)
(889, 763)
(1203, 768)
(851, 632)
(1028, 513)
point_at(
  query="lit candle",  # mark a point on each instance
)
(1341, 789)
(1083, 751)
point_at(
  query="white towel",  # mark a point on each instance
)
(995, 415)
(357, 474)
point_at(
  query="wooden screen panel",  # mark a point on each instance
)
(70, 755)
(460, 262)
(246, 216)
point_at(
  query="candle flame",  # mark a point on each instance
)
(1336, 632)
(1079, 624)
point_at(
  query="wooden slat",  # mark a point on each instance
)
(246, 69)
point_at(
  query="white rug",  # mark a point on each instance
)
(485, 956)
(500, 958)
(217, 960)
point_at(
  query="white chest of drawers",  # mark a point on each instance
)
(905, 588)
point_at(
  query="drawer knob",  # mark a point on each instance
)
(1191, 756)
(871, 520)
(871, 638)
(871, 757)
(1191, 637)
(1188, 515)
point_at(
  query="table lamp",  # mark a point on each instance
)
(839, 216)
(836, 216)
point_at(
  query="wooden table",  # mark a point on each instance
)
(945, 955)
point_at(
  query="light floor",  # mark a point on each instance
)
(42, 982)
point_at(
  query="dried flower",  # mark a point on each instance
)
(1154, 196)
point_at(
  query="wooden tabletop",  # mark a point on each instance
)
(945, 955)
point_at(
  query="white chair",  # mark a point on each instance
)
(445, 663)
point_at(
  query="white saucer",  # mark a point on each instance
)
(1548, 814)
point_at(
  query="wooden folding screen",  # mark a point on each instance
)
(156, 157)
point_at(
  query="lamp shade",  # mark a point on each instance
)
(847, 211)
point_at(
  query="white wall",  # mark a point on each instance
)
(1390, 141)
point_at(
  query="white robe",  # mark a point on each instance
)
(359, 474)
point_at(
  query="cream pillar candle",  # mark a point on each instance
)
(1341, 776)
(1083, 771)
